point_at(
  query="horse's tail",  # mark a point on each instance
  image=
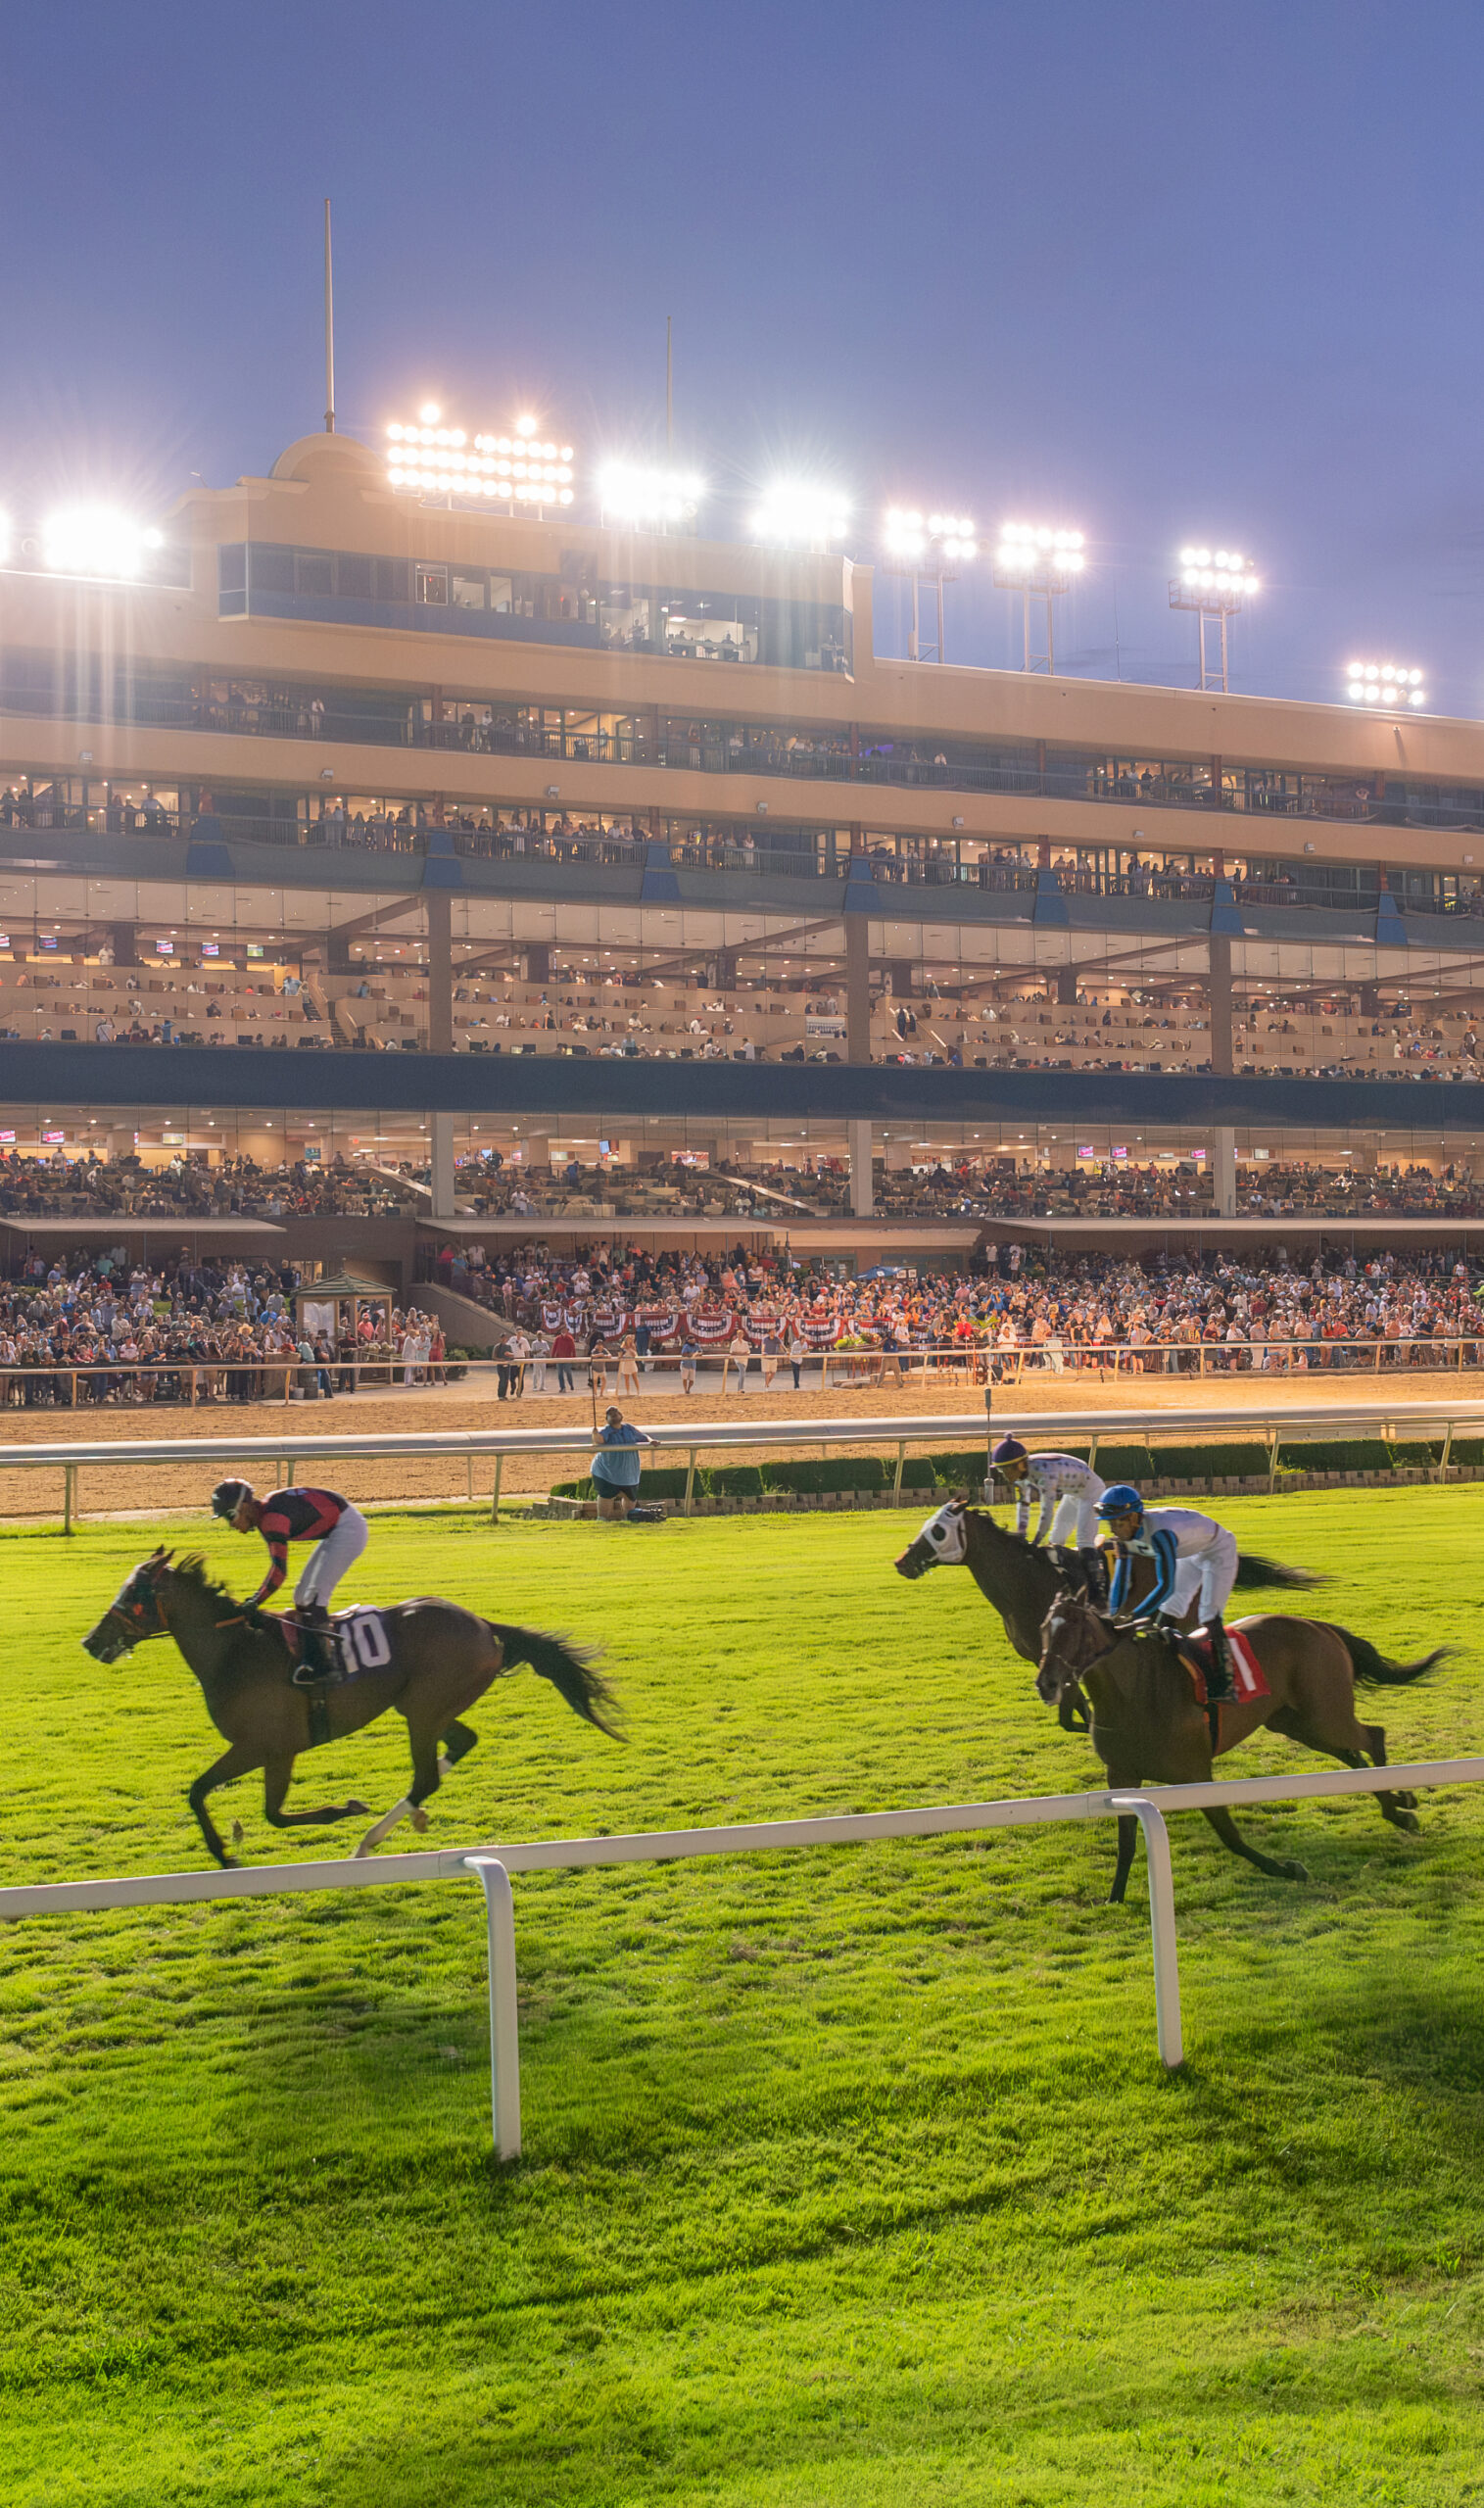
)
(1375, 1670)
(1254, 1570)
(572, 1670)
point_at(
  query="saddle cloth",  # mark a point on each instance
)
(1248, 1676)
(358, 1634)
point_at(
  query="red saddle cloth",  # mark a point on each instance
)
(1195, 1654)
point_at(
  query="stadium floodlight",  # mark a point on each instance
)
(930, 544)
(662, 497)
(1384, 684)
(429, 459)
(1038, 560)
(97, 541)
(792, 513)
(1213, 583)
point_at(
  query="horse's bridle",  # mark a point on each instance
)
(1053, 1657)
(128, 1617)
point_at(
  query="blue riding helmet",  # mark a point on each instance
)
(1009, 1450)
(1123, 1499)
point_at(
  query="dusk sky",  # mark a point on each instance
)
(1155, 272)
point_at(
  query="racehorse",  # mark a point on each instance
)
(438, 1659)
(1148, 1726)
(1023, 1581)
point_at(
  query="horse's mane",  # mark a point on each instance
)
(192, 1570)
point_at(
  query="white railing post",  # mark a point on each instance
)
(505, 2009)
(1167, 1956)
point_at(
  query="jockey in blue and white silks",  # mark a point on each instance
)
(1195, 1561)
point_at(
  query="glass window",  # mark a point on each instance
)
(469, 591)
(392, 579)
(355, 578)
(432, 586)
(502, 595)
(272, 569)
(231, 568)
(317, 575)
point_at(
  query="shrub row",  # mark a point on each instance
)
(964, 1468)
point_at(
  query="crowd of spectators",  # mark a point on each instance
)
(95, 1328)
(1017, 1308)
(90, 1187)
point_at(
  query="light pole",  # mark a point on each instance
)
(1213, 583)
(1384, 684)
(1038, 562)
(930, 546)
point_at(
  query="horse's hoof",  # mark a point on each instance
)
(357, 1811)
(1293, 1872)
(1407, 1801)
(237, 1833)
(230, 1864)
(418, 1818)
(1408, 1821)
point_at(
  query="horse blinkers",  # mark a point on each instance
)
(124, 1627)
(941, 1543)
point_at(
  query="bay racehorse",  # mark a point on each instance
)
(1149, 1728)
(437, 1659)
(1023, 1581)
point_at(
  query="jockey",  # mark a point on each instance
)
(1069, 1491)
(339, 1532)
(1195, 1561)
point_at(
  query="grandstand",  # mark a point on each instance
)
(611, 875)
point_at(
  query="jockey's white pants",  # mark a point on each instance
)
(329, 1559)
(1074, 1523)
(1205, 1577)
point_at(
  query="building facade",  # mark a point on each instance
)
(372, 828)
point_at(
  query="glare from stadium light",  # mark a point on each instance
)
(1036, 554)
(430, 414)
(924, 540)
(1384, 684)
(430, 460)
(630, 492)
(795, 515)
(1224, 574)
(96, 540)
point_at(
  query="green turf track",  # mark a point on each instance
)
(850, 2177)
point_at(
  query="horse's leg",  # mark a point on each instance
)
(1232, 1836)
(424, 1741)
(458, 1741)
(239, 1760)
(277, 1777)
(1128, 1838)
(1376, 1743)
(1398, 1809)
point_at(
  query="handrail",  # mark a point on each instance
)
(492, 1864)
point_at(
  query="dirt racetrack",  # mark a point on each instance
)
(177, 1485)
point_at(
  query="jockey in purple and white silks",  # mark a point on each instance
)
(1069, 1493)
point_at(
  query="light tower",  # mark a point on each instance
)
(927, 548)
(1213, 583)
(1038, 562)
(1384, 684)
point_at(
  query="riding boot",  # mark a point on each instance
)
(1094, 1568)
(1221, 1680)
(316, 1654)
(1068, 1567)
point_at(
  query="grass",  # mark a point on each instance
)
(851, 2175)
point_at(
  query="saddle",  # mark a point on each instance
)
(355, 1642)
(1194, 1649)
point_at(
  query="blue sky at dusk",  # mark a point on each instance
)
(1154, 271)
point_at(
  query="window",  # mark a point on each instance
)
(432, 584)
(355, 578)
(272, 569)
(316, 575)
(231, 568)
(470, 592)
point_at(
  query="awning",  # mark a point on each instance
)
(84, 1232)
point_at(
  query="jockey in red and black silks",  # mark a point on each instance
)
(338, 1530)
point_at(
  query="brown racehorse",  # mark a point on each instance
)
(440, 1659)
(1147, 1725)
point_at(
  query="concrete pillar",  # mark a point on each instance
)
(539, 962)
(1219, 996)
(862, 1197)
(125, 953)
(443, 1167)
(440, 972)
(1066, 983)
(857, 988)
(1224, 1172)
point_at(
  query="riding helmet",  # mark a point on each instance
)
(1123, 1499)
(228, 1495)
(1009, 1450)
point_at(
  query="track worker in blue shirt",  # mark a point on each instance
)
(1195, 1561)
(615, 1464)
(340, 1533)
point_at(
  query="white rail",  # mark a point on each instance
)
(1277, 1424)
(494, 1864)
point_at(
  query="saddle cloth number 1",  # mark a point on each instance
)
(363, 1643)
